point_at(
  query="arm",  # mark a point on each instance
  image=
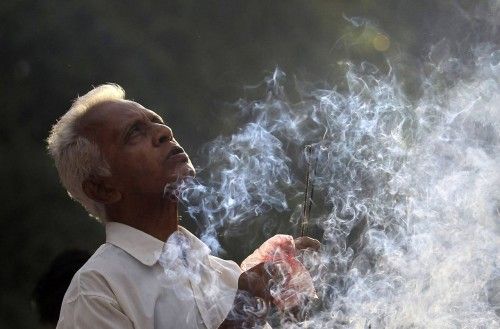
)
(251, 304)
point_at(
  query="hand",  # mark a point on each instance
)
(259, 276)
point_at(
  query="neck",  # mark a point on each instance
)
(156, 217)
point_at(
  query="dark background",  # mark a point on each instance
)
(187, 60)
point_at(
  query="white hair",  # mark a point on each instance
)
(76, 157)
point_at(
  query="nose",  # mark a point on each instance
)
(162, 134)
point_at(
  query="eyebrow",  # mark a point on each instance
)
(157, 117)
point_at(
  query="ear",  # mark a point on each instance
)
(98, 189)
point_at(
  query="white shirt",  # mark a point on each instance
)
(137, 281)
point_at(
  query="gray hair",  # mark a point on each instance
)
(76, 157)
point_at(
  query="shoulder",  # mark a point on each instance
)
(93, 278)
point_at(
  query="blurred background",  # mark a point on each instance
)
(188, 60)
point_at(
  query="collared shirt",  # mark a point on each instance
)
(137, 281)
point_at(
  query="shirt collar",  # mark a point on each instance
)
(144, 247)
(194, 242)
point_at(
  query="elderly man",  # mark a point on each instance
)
(116, 157)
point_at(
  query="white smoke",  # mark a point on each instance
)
(407, 192)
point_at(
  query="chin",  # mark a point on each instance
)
(172, 184)
(187, 170)
(182, 171)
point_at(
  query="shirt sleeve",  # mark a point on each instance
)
(90, 312)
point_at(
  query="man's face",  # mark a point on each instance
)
(139, 147)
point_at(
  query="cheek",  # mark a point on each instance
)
(134, 171)
(145, 171)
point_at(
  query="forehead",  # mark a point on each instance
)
(111, 117)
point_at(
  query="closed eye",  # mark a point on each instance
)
(133, 130)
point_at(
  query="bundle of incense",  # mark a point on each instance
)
(308, 195)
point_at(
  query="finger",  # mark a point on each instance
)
(306, 242)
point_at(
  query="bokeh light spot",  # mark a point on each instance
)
(381, 42)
